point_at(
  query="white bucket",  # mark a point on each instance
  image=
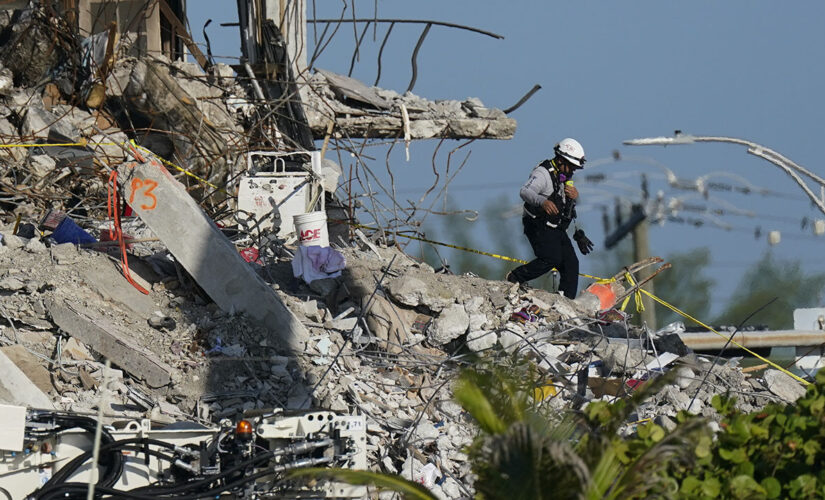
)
(311, 229)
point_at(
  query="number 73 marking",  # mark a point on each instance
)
(147, 185)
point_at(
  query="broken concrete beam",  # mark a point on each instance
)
(110, 341)
(350, 88)
(202, 249)
(382, 127)
(17, 389)
(783, 385)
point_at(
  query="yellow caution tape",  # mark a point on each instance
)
(42, 145)
(425, 240)
(86, 143)
(465, 249)
(181, 169)
(688, 316)
(637, 294)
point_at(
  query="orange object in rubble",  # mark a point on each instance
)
(605, 293)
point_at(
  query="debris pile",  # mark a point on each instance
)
(177, 356)
(384, 339)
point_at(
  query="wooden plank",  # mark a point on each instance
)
(109, 340)
(170, 16)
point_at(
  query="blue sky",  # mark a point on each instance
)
(612, 71)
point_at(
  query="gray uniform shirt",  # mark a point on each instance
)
(538, 188)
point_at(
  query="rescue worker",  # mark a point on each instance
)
(549, 206)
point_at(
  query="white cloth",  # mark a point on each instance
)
(316, 262)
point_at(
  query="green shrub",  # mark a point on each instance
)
(776, 452)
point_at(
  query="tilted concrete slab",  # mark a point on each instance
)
(200, 247)
(110, 340)
(17, 389)
(29, 365)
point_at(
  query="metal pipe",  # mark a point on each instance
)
(415, 56)
(708, 341)
(381, 52)
(409, 21)
(258, 92)
(521, 101)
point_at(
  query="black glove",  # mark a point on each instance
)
(585, 245)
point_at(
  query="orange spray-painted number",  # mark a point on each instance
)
(147, 185)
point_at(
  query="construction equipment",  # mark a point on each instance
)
(279, 186)
(48, 455)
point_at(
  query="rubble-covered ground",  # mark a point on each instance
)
(387, 338)
(395, 366)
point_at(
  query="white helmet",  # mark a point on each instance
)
(572, 151)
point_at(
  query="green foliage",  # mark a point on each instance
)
(776, 452)
(526, 450)
(771, 278)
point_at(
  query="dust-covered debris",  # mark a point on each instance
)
(386, 339)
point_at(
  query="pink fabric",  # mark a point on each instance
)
(316, 262)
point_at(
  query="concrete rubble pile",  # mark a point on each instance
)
(176, 110)
(179, 357)
(386, 339)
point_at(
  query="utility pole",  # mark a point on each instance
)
(641, 251)
(637, 226)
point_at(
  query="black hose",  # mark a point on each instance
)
(82, 488)
(112, 462)
(206, 481)
(59, 478)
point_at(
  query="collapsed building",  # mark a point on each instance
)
(187, 306)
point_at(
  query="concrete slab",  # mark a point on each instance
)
(113, 342)
(212, 260)
(17, 389)
(30, 366)
(105, 278)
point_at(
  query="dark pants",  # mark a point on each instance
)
(553, 249)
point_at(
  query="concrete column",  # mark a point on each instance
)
(84, 18)
(153, 45)
(290, 17)
(202, 249)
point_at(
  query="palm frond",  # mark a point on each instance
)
(470, 395)
(606, 474)
(524, 464)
